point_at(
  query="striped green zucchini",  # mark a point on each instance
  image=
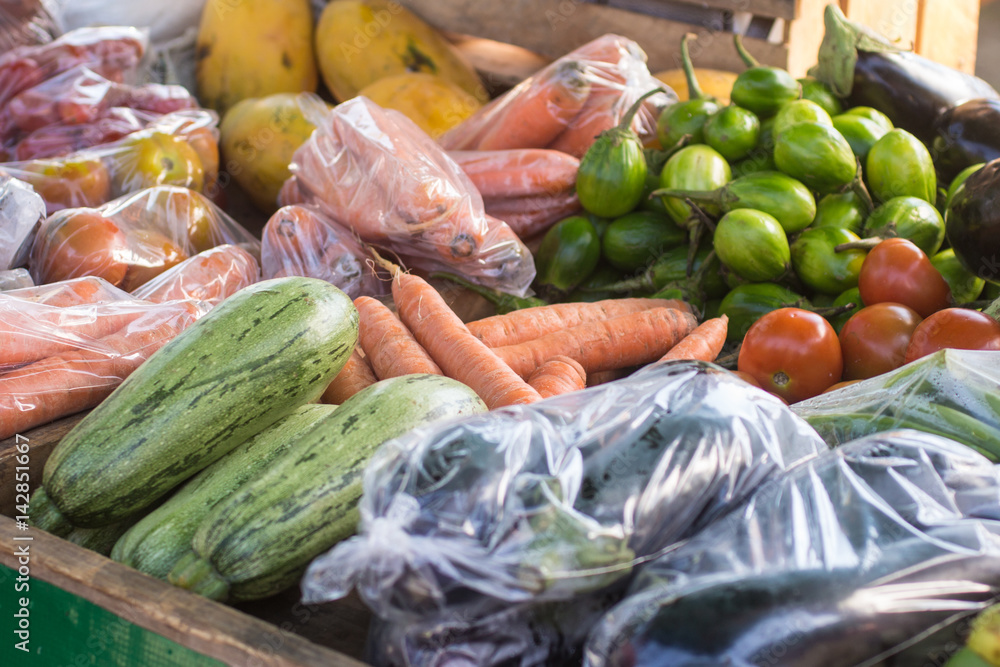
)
(102, 539)
(155, 543)
(260, 540)
(42, 513)
(253, 359)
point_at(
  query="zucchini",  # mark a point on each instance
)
(43, 514)
(102, 539)
(155, 543)
(260, 539)
(252, 360)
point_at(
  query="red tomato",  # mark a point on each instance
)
(80, 242)
(874, 339)
(792, 353)
(957, 328)
(896, 270)
(746, 377)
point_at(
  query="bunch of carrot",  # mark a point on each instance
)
(522, 356)
(567, 104)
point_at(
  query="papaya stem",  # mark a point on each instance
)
(863, 244)
(694, 88)
(626, 121)
(745, 56)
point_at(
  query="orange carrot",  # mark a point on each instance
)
(704, 343)
(596, 116)
(529, 216)
(77, 380)
(460, 355)
(539, 113)
(558, 375)
(71, 292)
(627, 340)
(352, 378)
(527, 324)
(210, 276)
(521, 172)
(387, 342)
(32, 331)
(602, 377)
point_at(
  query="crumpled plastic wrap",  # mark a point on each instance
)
(131, 240)
(211, 277)
(21, 213)
(374, 171)
(27, 23)
(179, 148)
(870, 554)
(67, 346)
(301, 241)
(504, 536)
(569, 102)
(952, 393)
(15, 279)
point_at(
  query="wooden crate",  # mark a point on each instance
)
(784, 33)
(86, 609)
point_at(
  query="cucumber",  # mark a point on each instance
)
(260, 539)
(253, 359)
(155, 543)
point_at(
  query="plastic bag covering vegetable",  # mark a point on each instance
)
(302, 241)
(56, 361)
(507, 534)
(11, 279)
(179, 148)
(27, 23)
(375, 171)
(952, 393)
(114, 52)
(569, 102)
(133, 239)
(80, 109)
(21, 212)
(211, 276)
(867, 555)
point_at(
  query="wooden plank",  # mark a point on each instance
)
(804, 35)
(784, 9)
(896, 20)
(207, 627)
(41, 441)
(947, 32)
(553, 28)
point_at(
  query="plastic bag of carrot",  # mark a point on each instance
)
(567, 104)
(375, 172)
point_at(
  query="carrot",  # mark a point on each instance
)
(387, 342)
(32, 331)
(71, 292)
(596, 116)
(558, 375)
(352, 378)
(704, 343)
(602, 377)
(76, 380)
(627, 340)
(538, 114)
(520, 172)
(210, 276)
(460, 355)
(529, 216)
(527, 324)
(467, 134)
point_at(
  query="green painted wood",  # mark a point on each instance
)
(68, 631)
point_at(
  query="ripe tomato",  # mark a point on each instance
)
(80, 242)
(957, 328)
(792, 353)
(896, 270)
(874, 339)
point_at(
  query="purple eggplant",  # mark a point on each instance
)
(967, 134)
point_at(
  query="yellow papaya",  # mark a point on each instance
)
(361, 41)
(253, 48)
(259, 137)
(434, 104)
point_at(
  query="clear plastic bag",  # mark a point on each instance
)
(569, 102)
(211, 277)
(179, 148)
(133, 239)
(532, 518)
(952, 393)
(374, 171)
(27, 23)
(58, 360)
(870, 554)
(302, 241)
(11, 279)
(21, 213)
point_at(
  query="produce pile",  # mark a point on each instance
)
(646, 456)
